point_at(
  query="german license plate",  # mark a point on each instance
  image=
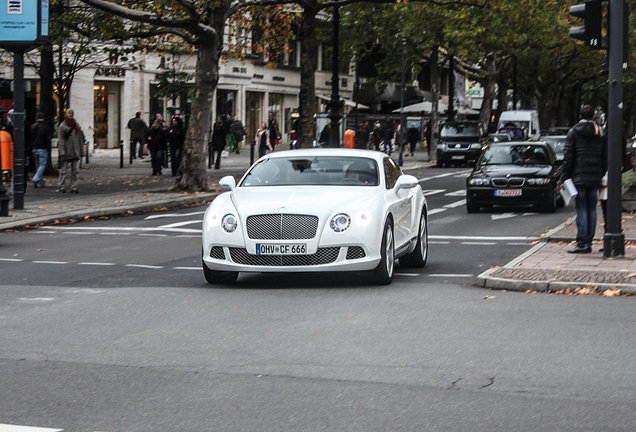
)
(281, 249)
(458, 157)
(508, 192)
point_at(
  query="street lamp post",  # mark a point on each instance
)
(335, 104)
(402, 122)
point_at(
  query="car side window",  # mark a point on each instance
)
(391, 172)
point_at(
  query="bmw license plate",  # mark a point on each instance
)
(508, 192)
(281, 249)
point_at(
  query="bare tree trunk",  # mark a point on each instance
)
(47, 69)
(435, 85)
(192, 173)
(308, 65)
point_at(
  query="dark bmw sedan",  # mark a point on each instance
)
(515, 173)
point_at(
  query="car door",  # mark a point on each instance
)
(401, 203)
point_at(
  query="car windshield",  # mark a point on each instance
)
(314, 170)
(459, 130)
(515, 154)
(557, 144)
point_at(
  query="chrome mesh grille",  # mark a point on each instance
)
(282, 227)
(322, 256)
(355, 252)
(217, 253)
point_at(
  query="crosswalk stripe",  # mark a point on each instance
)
(17, 428)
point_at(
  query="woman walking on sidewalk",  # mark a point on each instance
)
(71, 150)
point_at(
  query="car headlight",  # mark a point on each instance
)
(475, 146)
(340, 222)
(443, 147)
(479, 182)
(538, 181)
(229, 222)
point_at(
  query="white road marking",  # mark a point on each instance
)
(438, 242)
(172, 215)
(456, 204)
(437, 210)
(96, 264)
(461, 192)
(428, 192)
(144, 266)
(479, 243)
(178, 224)
(16, 428)
(449, 275)
(407, 274)
(187, 268)
(484, 238)
(49, 262)
(153, 235)
(503, 216)
(11, 259)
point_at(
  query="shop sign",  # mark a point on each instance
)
(112, 72)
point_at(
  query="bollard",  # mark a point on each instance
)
(210, 155)
(88, 151)
(132, 151)
(121, 153)
(252, 145)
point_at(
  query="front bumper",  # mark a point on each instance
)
(458, 156)
(326, 259)
(529, 196)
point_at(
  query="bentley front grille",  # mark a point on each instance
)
(217, 253)
(322, 256)
(282, 227)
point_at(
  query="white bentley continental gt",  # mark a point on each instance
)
(316, 210)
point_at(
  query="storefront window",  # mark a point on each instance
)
(253, 114)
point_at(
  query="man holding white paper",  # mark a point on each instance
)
(585, 163)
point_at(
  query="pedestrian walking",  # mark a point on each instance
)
(219, 139)
(156, 139)
(585, 163)
(41, 144)
(238, 132)
(70, 150)
(138, 130)
(262, 140)
(362, 137)
(176, 138)
(386, 133)
(274, 133)
(413, 136)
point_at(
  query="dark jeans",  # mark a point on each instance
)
(133, 146)
(262, 150)
(585, 202)
(175, 158)
(157, 161)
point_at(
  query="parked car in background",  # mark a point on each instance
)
(557, 142)
(316, 210)
(558, 130)
(515, 173)
(497, 137)
(459, 143)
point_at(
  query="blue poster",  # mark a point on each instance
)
(19, 20)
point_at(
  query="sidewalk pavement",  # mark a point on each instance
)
(105, 189)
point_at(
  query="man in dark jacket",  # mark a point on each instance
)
(585, 162)
(41, 145)
(362, 138)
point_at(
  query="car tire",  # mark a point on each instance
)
(551, 206)
(472, 207)
(383, 273)
(418, 257)
(214, 277)
(439, 163)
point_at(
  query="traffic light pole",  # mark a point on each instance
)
(614, 239)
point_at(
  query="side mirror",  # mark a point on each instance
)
(227, 183)
(406, 181)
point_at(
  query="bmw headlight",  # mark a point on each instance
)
(340, 222)
(229, 222)
(479, 182)
(538, 181)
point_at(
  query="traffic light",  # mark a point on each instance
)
(591, 33)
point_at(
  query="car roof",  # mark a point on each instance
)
(337, 152)
(509, 143)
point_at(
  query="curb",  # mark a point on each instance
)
(111, 211)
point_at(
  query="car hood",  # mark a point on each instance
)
(295, 199)
(513, 170)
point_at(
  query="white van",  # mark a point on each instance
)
(526, 120)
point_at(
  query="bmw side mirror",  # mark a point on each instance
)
(227, 183)
(406, 181)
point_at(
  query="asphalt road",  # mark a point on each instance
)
(109, 326)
